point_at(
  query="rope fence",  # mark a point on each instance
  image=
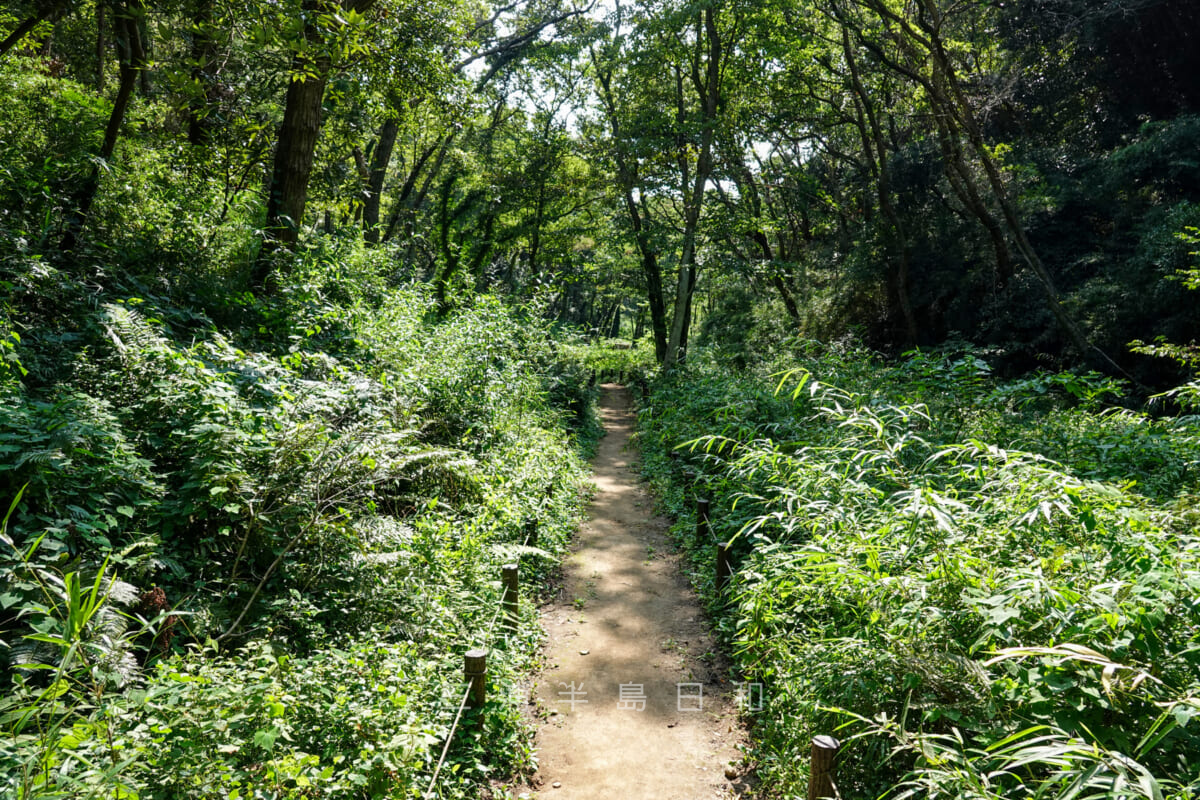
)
(824, 751)
(475, 659)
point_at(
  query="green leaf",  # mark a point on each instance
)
(266, 738)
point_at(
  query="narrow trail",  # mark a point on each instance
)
(653, 716)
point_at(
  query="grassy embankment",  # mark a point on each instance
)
(985, 588)
(255, 537)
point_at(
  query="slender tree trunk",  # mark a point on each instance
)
(364, 183)
(876, 151)
(651, 271)
(535, 238)
(958, 175)
(380, 159)
(708, 87)
(147, 41)
(404, 208)
(418, 202)
(946, 94)
(19, 32)
(585, 313)
(686, 327)
(960, 105)
(748, 188)
(132, 60)
(201, 124)
(449, 254)
(132, 64)
(627, 178)
(101, 45)
(479, 262)
(785, 294)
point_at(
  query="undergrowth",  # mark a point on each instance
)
(986, 589)
(247, 558)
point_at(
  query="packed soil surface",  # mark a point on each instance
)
(653, 713)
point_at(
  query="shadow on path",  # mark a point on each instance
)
(628, 627)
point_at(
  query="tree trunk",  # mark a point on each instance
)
(132, 60)
(204, 58)
(962, 109)
(651, 272)
(403, 206)
(683, 303)
(946, 95)
(627, 178)
(142, 24)
(294, 154)
(449, 254)
(479, 262)
(380, 159)
(708, 88)
(19, 32)
(748, 188)
(297, 144)
(876, 151)
(958, 175)
(535, 238)
(101, 45)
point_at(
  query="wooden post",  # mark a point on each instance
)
(531, 531)
(475, 667)
(510, 574)
(702, 528)
(821, 767)
(724, 567)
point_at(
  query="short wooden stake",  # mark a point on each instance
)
(510, 574)
(475, 667)
(702, 528)
(531, 531)
(821, 777)
(724, 567)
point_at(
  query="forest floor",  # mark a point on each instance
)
(654, 715)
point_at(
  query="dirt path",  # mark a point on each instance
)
(626, 627)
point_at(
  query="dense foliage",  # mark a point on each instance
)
(286, 373)
(253, 557)
(1015, 175)
(991, 588)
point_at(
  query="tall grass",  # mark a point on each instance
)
(978, 619)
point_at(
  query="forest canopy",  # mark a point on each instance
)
(1012, 175)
